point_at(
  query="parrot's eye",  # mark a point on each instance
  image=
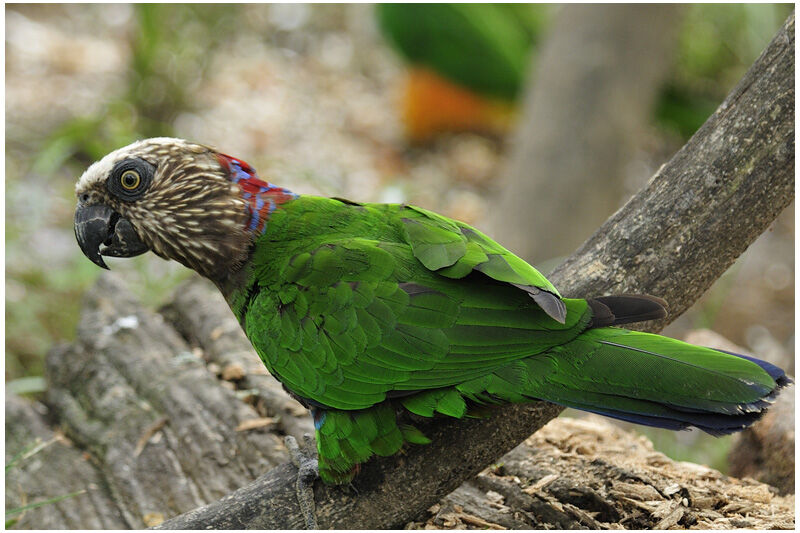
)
(130, 178)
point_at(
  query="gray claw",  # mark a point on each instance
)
(307, 472)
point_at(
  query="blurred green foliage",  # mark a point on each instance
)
(171, 46)
(716, 45)
(171, 51)
(487, 48)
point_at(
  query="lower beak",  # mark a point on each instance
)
(102, 231)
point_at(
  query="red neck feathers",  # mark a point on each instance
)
(262, 197)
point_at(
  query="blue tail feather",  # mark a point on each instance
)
(719, 399)
(712, 423)
(716, 425)
(775, 372)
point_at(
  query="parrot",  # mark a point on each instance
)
(467, 63)
(366, 312)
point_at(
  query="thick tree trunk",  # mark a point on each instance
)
(153, 429)
(590, 100)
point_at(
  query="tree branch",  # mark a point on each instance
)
(673, 239)
(596, 80)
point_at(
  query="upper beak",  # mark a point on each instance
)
(102, 231)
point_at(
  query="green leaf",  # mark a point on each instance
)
(27, 385)
(18, 510)
(29, 451)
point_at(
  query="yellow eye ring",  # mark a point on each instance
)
(130, 180)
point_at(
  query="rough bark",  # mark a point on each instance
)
(591, 98)
(59, 469)
(572, 474)
(133, 394)
(703, 208)
(161, 433)
(201, 316)
(589, 474)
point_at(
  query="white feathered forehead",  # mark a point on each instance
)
(151, 150)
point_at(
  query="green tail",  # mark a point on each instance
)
(657, 381)
(637, 377)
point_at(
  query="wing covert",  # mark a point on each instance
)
(454, 249)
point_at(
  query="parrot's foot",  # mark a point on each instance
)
(307, 472)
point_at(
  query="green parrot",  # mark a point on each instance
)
(485, 47)
(466, 63)
(364, 311)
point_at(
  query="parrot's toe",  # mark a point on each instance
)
(307, 472)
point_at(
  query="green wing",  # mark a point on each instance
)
(351, 322)
(454, 249)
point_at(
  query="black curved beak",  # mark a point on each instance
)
(102, 231)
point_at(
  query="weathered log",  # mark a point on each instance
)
(703, 208)
(133, 394)
(200, 314)
(572, 474)
(57, 470)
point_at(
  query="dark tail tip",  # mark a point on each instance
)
(626, 308)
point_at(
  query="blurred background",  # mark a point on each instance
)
(506, 117)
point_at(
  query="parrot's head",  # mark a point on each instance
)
(181, 200)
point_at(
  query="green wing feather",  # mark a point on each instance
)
(454, 249)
